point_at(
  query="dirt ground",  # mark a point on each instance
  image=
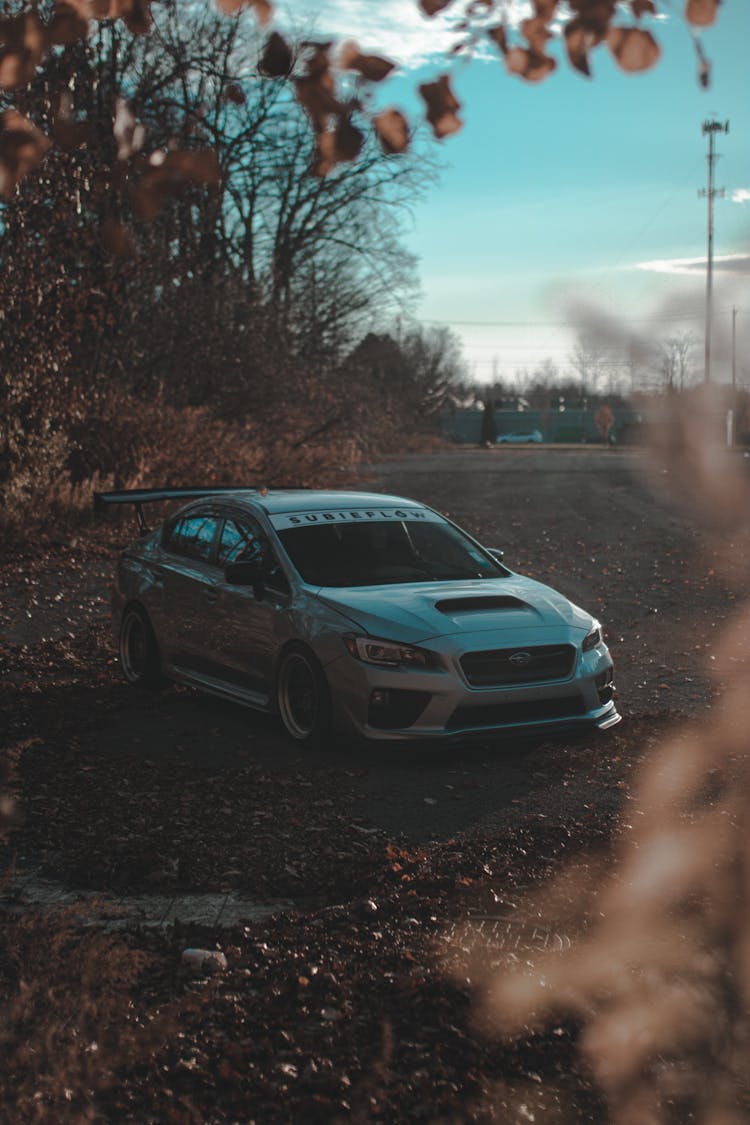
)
(380, 851)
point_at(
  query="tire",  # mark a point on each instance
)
(303, 698)
(139, 652)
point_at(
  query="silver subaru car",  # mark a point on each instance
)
(369, 614)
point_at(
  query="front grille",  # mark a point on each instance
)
(497, 668)
(527, 711)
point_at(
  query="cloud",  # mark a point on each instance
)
(741, 195)
(723, 263)
(395, 28)
(399, 29)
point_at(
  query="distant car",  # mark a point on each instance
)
(371, 614)
(519, 438)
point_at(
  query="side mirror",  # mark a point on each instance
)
(245, 573)
(496, 552)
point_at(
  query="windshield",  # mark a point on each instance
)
(386, 551)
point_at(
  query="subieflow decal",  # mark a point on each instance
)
(282, 521)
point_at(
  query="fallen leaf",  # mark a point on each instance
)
(702, 13)
(392, 130)
(633, 48)
(442, 106)
(277, 60)
(372, 67)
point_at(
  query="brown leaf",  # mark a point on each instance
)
(343, 144)
(392, 130)
(317, 95)
(149, 196)
(432, 7)
(324, 157)
(116, 238)
(702, 13)
(500, 36)
(349, 140)
(262, 8)
(276, 60)
(198, 166)
(168, 174)
(84, 9)
(372, 67)
(137, 17)
(234, 94)
(135, 14)
(316, 89)
(68, 133)
(22, 147)
(536, 33)
(442, 106)
(22, 48)
(545, 8)
(642, 8)
(578, 42)
(594, 15)
(633, 48)
(67, 26)
(317, 57)
(529, 64)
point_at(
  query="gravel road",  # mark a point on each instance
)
(111, 777)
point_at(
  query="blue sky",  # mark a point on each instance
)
(573, 201)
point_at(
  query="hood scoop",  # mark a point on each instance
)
(452, 606)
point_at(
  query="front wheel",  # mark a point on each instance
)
(139, 652)
(303, 697)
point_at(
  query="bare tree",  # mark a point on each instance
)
(222, 284)
(592, 364)
(675, 361)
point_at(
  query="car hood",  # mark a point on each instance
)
(415, 612)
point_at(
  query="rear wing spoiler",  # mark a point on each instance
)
(140, 496)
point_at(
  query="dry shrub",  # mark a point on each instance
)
(114, 439)
(659, 979)
(70, 1031)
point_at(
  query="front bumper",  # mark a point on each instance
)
(415, 705)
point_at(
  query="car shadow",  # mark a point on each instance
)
(113, 768)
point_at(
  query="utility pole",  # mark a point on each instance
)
(710, 129)
(734, 349)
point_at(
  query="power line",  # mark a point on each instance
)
(563, 323)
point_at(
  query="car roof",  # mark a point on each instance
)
(277, 501)
(313, 500)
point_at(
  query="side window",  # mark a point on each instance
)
(234, 542)
(192, 537)
(237, 537)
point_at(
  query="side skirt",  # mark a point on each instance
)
(248, 698)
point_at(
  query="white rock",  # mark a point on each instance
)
(204, 960)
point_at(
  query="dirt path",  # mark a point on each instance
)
(406, 874)
(178, 792)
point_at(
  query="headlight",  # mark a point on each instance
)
(389, 654)
(592, 639)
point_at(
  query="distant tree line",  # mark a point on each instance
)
(599, 369)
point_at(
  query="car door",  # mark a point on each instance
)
(190, 589)
(249, 629)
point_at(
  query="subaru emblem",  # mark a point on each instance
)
(520, 659)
